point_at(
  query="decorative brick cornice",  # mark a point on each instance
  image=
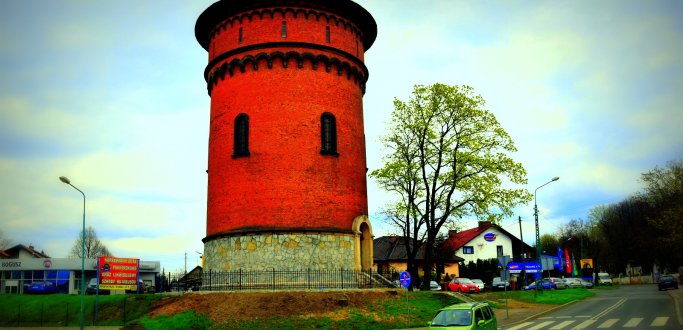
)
(270, 230)
(215, 72)
(223, 13)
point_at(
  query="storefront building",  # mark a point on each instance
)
(17, 274)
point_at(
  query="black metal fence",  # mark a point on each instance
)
(308, 279)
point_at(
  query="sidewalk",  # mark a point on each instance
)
(677, 296)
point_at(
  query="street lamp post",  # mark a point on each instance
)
(67, 181)
(538, 234)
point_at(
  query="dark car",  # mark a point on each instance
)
(41, 287)
(499, 284)
(667, 282)
(546, 284)
(91, 288)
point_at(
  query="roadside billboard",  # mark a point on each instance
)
(118, 273)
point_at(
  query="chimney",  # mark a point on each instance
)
(483, 224)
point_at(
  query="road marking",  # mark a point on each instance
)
(609, 309)
(632, 323)
(583, 324)
(659, 321)
(541, 325)
(521, 326)
(608, 323)
(562, 325)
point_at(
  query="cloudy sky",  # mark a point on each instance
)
(111, 95)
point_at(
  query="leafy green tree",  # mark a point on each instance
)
(448, 158)
(94, 248)
(664, 194)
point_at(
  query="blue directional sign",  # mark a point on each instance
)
(405, 279)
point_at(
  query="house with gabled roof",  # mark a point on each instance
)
(390, 255)
(486, 241)
(21, 251)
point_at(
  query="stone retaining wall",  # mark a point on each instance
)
(290, 251)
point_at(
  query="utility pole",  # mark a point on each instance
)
(522, 274)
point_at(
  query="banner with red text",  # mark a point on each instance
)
(118, 273)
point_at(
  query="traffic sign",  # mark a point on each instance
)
(405, 279)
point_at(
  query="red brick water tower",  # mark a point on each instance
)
(287, 170)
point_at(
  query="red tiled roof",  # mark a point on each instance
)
(458, 240)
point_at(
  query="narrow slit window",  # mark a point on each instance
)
(284, 29)
(241, 146)
(328, 134)
(327, 34)
(239, 38)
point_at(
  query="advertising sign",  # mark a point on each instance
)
(118, 273)
(490, 237)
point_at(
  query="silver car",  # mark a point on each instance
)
(558, 282)
(573, 282)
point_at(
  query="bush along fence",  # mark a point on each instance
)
(308, 279)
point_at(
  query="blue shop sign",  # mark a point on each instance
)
(531, 267)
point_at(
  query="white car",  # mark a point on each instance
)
(604, 279)
(573, 282)
(479, 283)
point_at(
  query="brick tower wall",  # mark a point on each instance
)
(286, 203)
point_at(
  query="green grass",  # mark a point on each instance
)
(184, 320)
(64, 310)
(551, 297)
(409, 309)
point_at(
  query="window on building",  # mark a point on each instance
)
(499, 250)
(239, 39)
(284, 29)
(241, 146)
(327, 34)
(328, 134)
(468, 249)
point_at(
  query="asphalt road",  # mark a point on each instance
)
(628, 307)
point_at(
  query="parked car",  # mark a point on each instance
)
(667, 282)
(41, 287)
(545, 283)
(604, 279)
(434, 286)
(587, 284)
(461, 284)
(141, 288)
(479, 283)
(465, 316)
(91, 287)
(559, 283)
(499, 284)
(573, 282)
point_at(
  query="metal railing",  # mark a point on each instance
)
(272, 279)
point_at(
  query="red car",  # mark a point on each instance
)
(461, 284)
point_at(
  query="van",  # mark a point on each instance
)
(604, 279)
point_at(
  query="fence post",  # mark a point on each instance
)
(210, 284)
(273, 278)
(308, 278)
(42, 305)
(341, 271)
(240, 280)
(124, 311)
(66, 319)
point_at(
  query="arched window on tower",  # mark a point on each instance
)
(327, 34)
(328, 134)
(284, 29)
(241, 146)
(239, 38)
